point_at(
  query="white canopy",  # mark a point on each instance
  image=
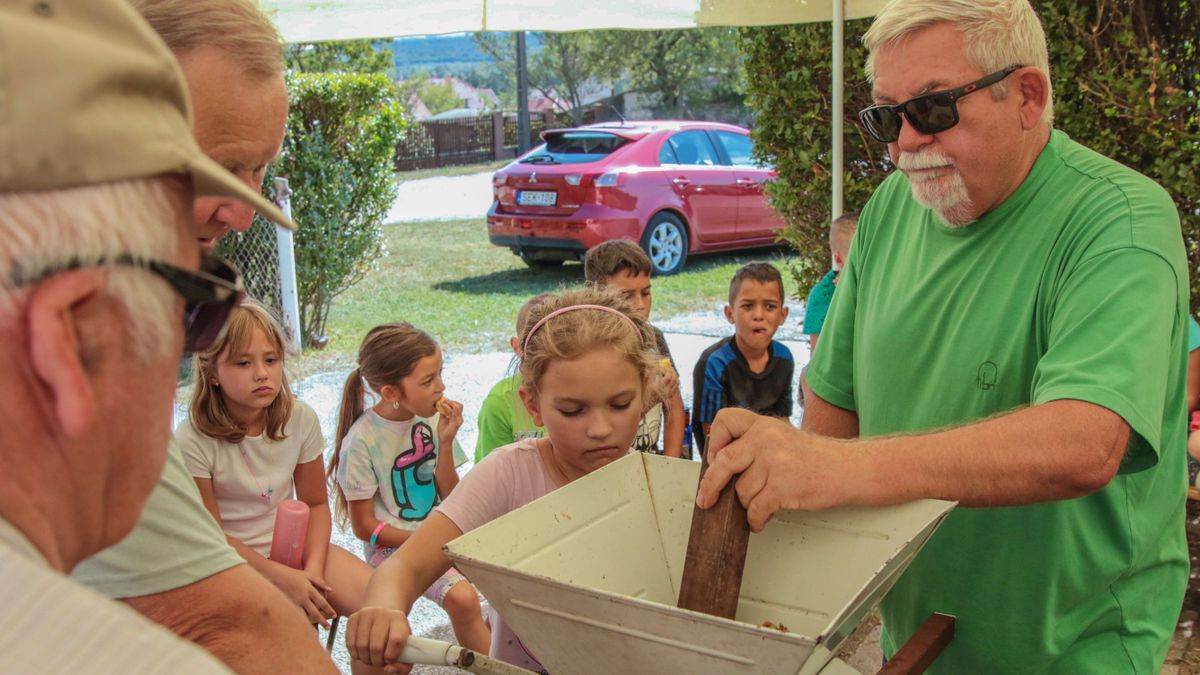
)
(323, 20)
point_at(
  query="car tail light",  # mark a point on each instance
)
(573, 178)
(499, 179)
(610, 179)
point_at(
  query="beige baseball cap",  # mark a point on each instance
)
(90, 94)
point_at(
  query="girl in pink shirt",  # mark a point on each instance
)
(587, 376)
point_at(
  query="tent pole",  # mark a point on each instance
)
(838, 102)
(522, 96)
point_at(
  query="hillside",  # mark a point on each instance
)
(429, 51)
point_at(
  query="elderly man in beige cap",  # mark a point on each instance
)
(98, 265)
(176, 568)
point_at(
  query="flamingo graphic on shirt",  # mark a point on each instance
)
(413, 475)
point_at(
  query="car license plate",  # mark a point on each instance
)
(536, 198)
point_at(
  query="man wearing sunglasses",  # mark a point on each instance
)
(1009, 333)
(177, 568)
(101, 286)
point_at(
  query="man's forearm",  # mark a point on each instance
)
(1058, 450)
(239, 617)
(824, 418)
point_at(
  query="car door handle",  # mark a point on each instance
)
(681, 182)
(748, 182)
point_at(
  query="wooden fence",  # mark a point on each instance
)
(471, 140)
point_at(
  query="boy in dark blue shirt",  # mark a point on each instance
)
(749, 369)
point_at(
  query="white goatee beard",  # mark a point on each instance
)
(945, 195)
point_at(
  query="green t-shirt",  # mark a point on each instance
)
(1075, 287)
(503, 418)
(176, 542)
(816, 308)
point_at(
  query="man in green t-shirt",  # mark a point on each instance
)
(1009, 333)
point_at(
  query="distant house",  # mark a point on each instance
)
(539, 102)
(480, 99)
(417, 108)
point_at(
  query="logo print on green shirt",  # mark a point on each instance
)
(986, 378)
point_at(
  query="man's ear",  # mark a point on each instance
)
(1034, 91)
(55, 350)
(530, 403)
(839, 260)
(729, 313)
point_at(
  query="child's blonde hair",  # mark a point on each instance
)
(572, 334)
(523, 322)
(841, 232)
(209, 414)
(388, 354)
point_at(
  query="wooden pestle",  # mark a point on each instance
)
(716, 554)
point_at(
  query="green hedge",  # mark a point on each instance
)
(1126, 79)
(337, 156)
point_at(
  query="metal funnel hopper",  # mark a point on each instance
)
(588, 576)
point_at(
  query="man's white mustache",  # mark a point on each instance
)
(915, 161)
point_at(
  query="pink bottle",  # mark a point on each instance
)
(291, 529)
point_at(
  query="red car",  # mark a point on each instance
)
(677, 188)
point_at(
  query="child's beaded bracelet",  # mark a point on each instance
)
(375, 534)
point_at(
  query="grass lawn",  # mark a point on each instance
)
(445, 278)
(447, 171)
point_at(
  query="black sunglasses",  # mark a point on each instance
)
(210, 293)
(927, 113)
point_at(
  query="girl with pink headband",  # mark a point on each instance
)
(586, 376)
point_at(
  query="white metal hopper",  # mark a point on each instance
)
(588, 576)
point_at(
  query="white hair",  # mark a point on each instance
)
(996, 33)
(43, 230)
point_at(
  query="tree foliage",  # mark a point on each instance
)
(344, 56)
(1126, 78)
(337, 156)
(789, 81)
(682, 69)
(558, 69)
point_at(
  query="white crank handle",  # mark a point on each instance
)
(437, 653)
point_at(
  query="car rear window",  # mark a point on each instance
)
(575, 147)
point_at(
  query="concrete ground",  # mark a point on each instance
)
(442, 198)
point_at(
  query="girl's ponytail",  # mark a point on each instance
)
(348, 413)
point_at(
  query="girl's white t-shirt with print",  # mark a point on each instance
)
(508, 478)
(392, 463)
(251, 478)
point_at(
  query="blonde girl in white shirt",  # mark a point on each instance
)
(249, 443)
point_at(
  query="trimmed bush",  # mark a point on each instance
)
(337, 157)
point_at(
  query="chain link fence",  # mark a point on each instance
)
(256, 253)
(265, 256)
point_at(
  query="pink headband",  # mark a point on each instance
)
(572, 308)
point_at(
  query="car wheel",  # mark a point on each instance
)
(666, 243)
(540, 263)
